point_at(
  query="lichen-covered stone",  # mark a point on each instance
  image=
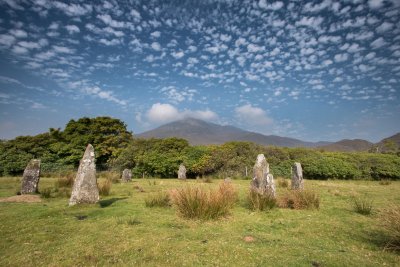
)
(182, 172)
(263, 181)
(126, 175)
(31, 177)
(85, 188)
(297, 177)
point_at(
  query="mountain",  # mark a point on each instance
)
(389, 144)
(348, 145)
(199, 132)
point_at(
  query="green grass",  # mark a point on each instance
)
(122, 231)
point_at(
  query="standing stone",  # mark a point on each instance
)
(126, 175)
(30, 180)
(297, 178)
(85, 186)
(263, 181)
(182, 172)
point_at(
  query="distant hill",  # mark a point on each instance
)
(355, 145)
(390, 143)
(199, 132)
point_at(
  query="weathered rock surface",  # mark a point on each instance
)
(263, 181)
(30, 180)
(182, 172)
(126, 175)
(85, 188)
(297, 177)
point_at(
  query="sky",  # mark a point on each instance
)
(312, 70)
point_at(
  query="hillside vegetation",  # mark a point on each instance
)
(116, 149)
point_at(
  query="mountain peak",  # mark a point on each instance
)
(199, 132)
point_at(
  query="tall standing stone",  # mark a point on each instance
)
(297, 178)
(182, 172)
(263, 181)
(127, 175)
(85, 186)
(30, 180)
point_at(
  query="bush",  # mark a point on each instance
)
(362, 205)
(300, 199)
(390, 222)
(161, 199)
(256, 201)
(105, 188)
(199, 203)
(45, 193)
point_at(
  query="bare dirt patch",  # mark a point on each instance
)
(22, 199)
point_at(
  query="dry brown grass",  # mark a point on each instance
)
(196, 202)
(105, 187)
(256, 201)
(390, 222)
(299, 199)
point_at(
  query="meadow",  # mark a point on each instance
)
(121, 230)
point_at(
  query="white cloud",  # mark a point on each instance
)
(375, 3)
(378, 43)
(312, 22)
(73, 9)
(274, 6)
(19, 33)
(98, 92)
(178, 55)
(63, 49)
(252, 48)
(72, 29)
(252, 115)
(384, 27)
(110, 21)
(163, 113)
(156, 46)
(136, 15)
(109, 42)
(341, 57)
(7, 40)
(155, 34)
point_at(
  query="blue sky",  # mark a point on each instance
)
(313, 70)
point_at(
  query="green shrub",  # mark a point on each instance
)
(260, 202)
(390, 222)
(160, 199)
(199, 203)
(105, 188)
(362, 205)
(300, 199)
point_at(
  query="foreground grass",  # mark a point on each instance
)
(121, 230)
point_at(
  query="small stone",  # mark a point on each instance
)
(85, 188)
(30, 180)
(126, 175)
(297, 178)
(182, 172)
(263, 181)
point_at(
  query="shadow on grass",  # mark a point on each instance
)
(107, 202)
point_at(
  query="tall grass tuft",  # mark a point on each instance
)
(200, 203)
(45, 192)
(385, 182)
(282, 182)
(300, 199)
(160, 199)
(390, 222)
(362, 205)
(257, 201)
(105, 187)
(66, 180)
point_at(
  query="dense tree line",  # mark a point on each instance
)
(116, 149)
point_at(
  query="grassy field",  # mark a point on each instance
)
(121, 231)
